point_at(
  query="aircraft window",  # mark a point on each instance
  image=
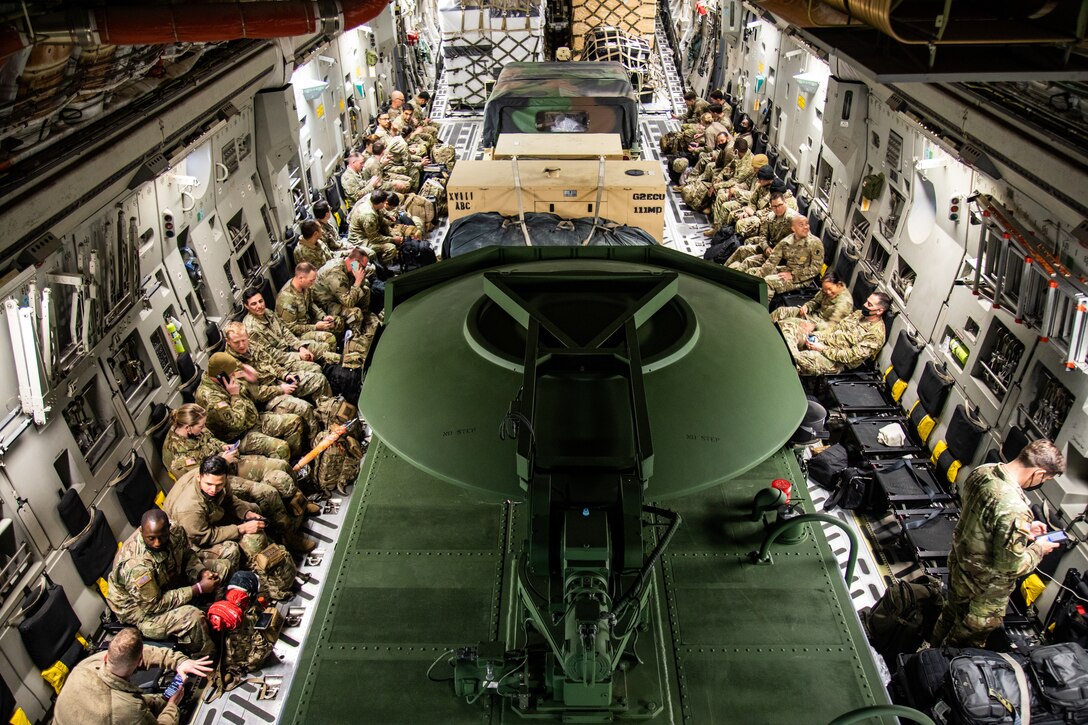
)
(847, 103)
(562, 121)
(998, 359)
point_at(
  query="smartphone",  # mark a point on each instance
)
(1053, 536)
(354, 266)
(223, 378)
(263, 621)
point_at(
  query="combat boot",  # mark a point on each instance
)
(298, 544)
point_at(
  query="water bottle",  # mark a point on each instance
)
(175, 335)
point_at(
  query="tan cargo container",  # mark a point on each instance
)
(564, 187)
(559, 146)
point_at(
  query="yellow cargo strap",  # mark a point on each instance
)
(56, 675)
(1031, 588)
(160, 498)
(898, 388)
(19, 717)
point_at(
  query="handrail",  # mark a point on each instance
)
(763, 556)
(864, 713)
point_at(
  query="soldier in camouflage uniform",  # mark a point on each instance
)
(421, 114)
(155, 576)
(297, 310)
(792, 262)
(233, 415)
(342, 289)
(995, 543)
(829, 307)
(695, 107)
(402, 161)
(397, 226)
(733, 193)
(777, 225)
(189, 442)
(748, 217)
(371, 229)
(857, 338)
(310, 248)
(330, 234)
(203, 505)
(352, 180)
(275, 367)
(267, 330)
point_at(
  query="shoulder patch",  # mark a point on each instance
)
(1023, 526)
(143, 581)
(190, 461)
(222, 404)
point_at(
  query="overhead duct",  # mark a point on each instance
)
(198, 23)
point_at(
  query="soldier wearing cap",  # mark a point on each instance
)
(233, 415)
(996, 542)
(155, 577)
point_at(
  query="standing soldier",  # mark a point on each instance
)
(233, 416)
(996, 541)
(155, 576)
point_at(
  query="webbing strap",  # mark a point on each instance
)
(597, 204)
(1022, 683)
(924, 520)
(521, 206)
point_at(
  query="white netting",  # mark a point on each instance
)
(479, 37)
(636, 17)
(606, 43)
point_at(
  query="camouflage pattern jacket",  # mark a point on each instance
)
(992, 545)
(693, 114)
(145, 583)
(181, 455)
(229, 417)
(803, 258)
(270, 332)
(297, 310)
(853, 341)
(369, 228)
(336, 291)
(777, 228)
(354, 184)
(93, 694)
(316, 254)
(330, 235)
(201, 515)
(270, 373)
(828, 311)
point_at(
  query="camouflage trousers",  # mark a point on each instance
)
(783, 313)
(748, 226)
(296, 406)
(968, 622)
(186, 624)
(807, 362)
(275, 436)
(747, 256)
(275, 472)
(268, 500)
(410, 171)
(274, 566)
(387, 252)
(723, 208)
(311, 382)
(775, 284)
(695, 194)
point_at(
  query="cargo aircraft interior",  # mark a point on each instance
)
(557, 462)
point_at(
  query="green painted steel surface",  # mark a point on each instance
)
(731, 363)
(423, 567)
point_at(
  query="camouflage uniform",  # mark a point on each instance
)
(336, 291)
(354, 185)
(300, 314)
(823, 310)
(847, 344)
(236, 418)
(371, 229)
(991, 548)
(245, 648)
(152, 590)
(758, 202)
(696, 111)
(403, 162)
(93, 694)
(273, 367)
(210, 521)
(270, 332)
(802, 258)
(316, 254)
(181, 455)
(754, 253)
(330, 235)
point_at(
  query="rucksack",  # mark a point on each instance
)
(904, 616)
(722, 245)
(825, 467)
(982, 689)
(854, 491)
(414, 255)
(918, 681)
(417, 207)
(1061, 673)
(872, 185)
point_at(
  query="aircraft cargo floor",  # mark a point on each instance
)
(423, 567)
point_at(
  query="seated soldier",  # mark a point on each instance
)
(155, 576)
(733, 193)
(369, 227)
(342, 289)
(830, 305)
(352, 180)
(204, 506)
(98, 689)
(397, 159)
(793, 261)
(189, 441)
(746, 219)
(297, 310)
(773, 228)
(310, 248)
(330, 234)
(266, 330)
(855, 339)
(233, 415)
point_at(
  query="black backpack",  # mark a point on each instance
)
(722, 245)
(414, 255)
(920, 678)
(825, 467)
(854, 491)
(1061, 673)
(982, 689)
(904, 617)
